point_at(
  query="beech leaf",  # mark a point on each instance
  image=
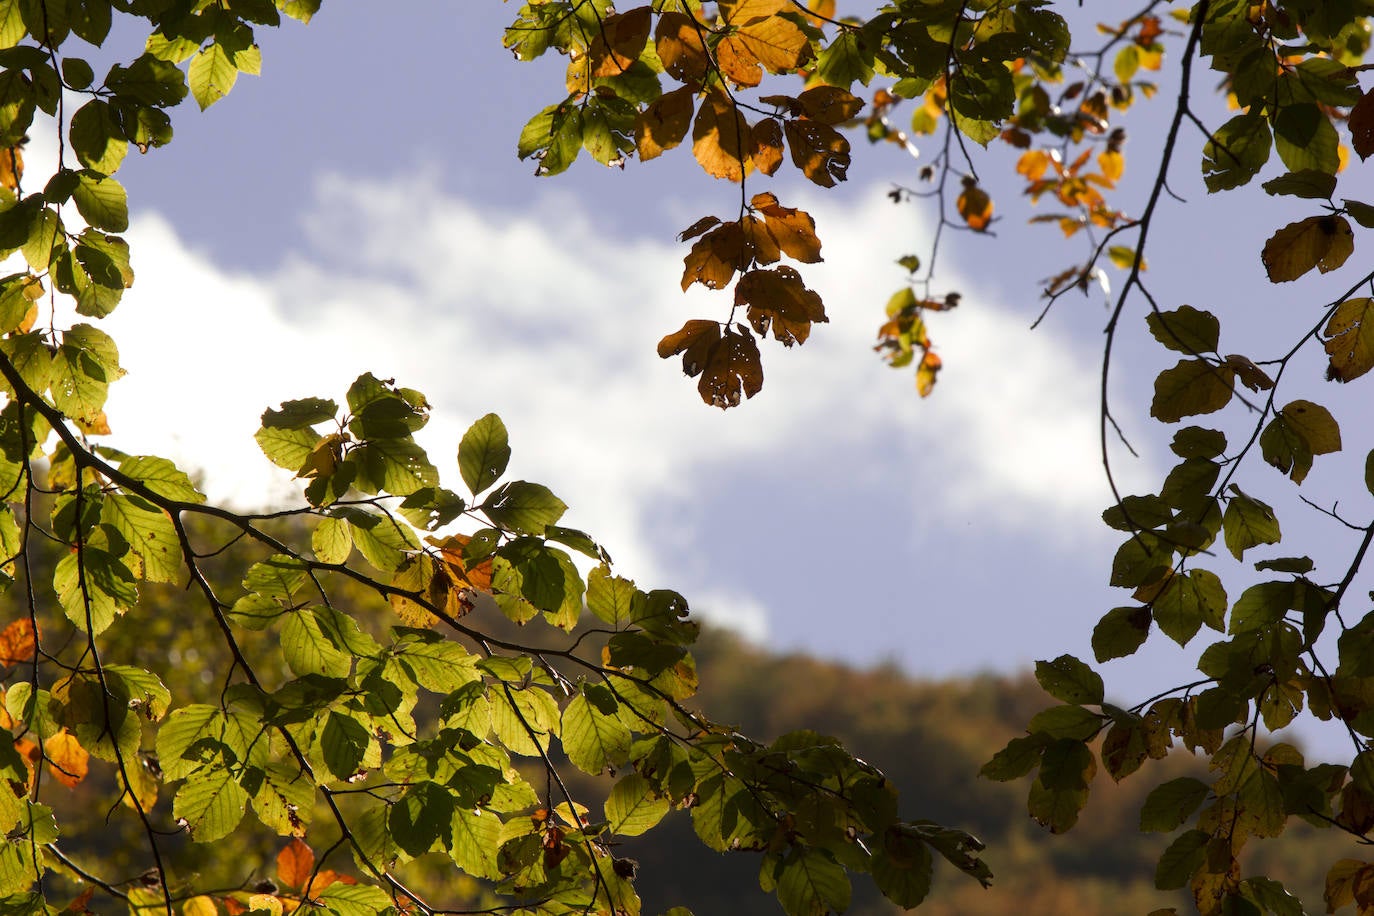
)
(1323, 242)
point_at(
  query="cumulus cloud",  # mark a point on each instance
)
(550, 319)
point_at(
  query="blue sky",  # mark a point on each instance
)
(360, 208)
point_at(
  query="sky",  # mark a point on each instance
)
(360, 208)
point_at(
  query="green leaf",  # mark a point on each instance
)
(476, 837)
(1248, 523)
(1307, 183)
(1170, 804)
(1236, 152)
(1184, 856)
(1061, 789)
(633, 807)
(523, 508)
(307, 650)
(150, 534)
(398, 466)
(421, 816)
(1019, 757)
(902, 868)
(594, 739)
(1193, 386)
(210, 805)
(1305, 139)
(1067, 721)
(162, 477)
(300, 414)
(1187, 602)
(812, 883)
(102, 202)
(1186, 329)
(1069, 680)
(211, 75)
(484, 453)
(343, 743)
(847, 59)
(1120, 632)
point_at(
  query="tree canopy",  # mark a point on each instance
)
(393, 691)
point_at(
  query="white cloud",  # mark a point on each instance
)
(551, 320)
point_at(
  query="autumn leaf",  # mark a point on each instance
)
(1249, 374)
(818, 150)
(1323, 242)
(926, 372)
(678, 42)
(454, 550)
(11, 166)
(664, 123)
(620, 42)
(295, 864)
(1361, 125)
(1112, 164)
(721, 139)
(716, 256)
(728, 364)
(777, 298)
(767, 145)
(759, 242)
(794, 230)
(759, 39)
(17, 643)
(975, 206)
(1350, 340)
(67, 759)
(829, 104)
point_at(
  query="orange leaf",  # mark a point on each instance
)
(67, 759)
(1034, 163)
(1113, 165)
(794, 230)
(777, 298)
(233, 907)
(326, 877)
(11, 166)
(17, 643)
(829, 104)
(663, 125)
(1323, 242)
(975, 206)
(452, 549)
(926, 372)
(767, 150)
(721, 138)
(743, 12)
(771, 43)
(295, 863)
(621, 41)
(822, 9)
(678, 41)
(818, 150)
(80, 903)
(694, 340)
(697, 228)
(759, 241)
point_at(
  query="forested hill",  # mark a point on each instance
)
(930, 738)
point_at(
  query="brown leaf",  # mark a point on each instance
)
(1361, 125)
(620, 42)
(694, 340)
(1323, 242)
(777, 298)
(678, 41)
(767, 149)
(11, 166)
(1250, 375)
(829, 104)
(17, 643)
(1350, 340)
(295, 864)
(794, 230)
(663, 124)
(759, 241)
(453, 549)
(818, 150)
(975, 206)
(697, 228)
(721, 138)
(715, 257)
(732, 367)
(728, 364)
(67, 759)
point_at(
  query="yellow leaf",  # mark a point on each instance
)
(199, 906)
(742, 12)
(1323, 242)
(721, 139)
(678, 42)
(1113, 165)
(926, 372)
(67, 759)
(773, 43)
(267, 902)
(620, 42)
(663, 124)
(11, 166)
